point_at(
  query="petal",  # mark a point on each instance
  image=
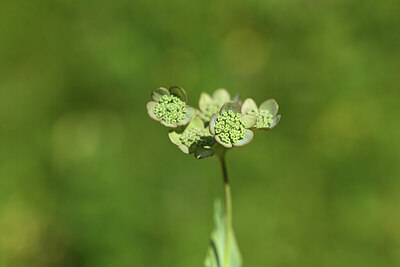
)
(249, 106)
(196, 123)
(235, 107)
(221, 96)
(179, 92)
(249, 120)
(247, 139)
(168, 124)
(237, 99)
(175, 138)
(205, 100)
(227, 145)
(202, 153)
(159, 93)
(184, 149)
(271, 105)
(211, 126)
(275, 122)
(190, 113)
(150, 110)
(203, 116)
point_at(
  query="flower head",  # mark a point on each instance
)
(266, 113)
(210, 105)
(194, 139)
(230, 127)
(169, 107)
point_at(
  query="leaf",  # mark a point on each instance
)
(202, 153)
(216, 251)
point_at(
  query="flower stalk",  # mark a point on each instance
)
(228, 209)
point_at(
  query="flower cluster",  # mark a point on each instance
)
(219, 124)
(266, 113)
(170, 109)
(210, 105)
(230, 127)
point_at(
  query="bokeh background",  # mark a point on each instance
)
(88, 179)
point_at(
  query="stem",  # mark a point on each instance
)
(228, 209)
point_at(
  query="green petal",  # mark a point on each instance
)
(184, 149)
(175, 138)
(196, 123)
(159, 93)
(150, 110)
(191, 112)
(247, 139)
(221, 96)
(178, 92)
(271, 105)
(235, 107)
(168, 124)
(275, 122)
(201, 153)
(249, 106)
(249, 120)
(211, 126)
(227, 145)
(237, 99)
(205, 100)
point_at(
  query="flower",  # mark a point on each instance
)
(230, 127)
(169, 107)
(266, 113)
(194, 139)
(211, 105)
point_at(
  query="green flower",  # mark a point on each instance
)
(169, 107)
(230, 127)
(194, 139)
(211, 105)
(266, 114)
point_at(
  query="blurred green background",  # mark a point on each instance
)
(88, 179)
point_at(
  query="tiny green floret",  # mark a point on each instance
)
(210, 109)
(264, 119)
(196, 137)
(230, 127)
(171, 109)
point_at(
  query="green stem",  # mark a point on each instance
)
(228, 209)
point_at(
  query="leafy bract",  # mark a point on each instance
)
(216, 251)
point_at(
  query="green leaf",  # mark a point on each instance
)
(202, 153)
(216, 251)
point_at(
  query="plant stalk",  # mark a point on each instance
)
(228, 210)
